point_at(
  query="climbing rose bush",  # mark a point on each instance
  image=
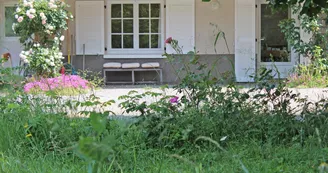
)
(41, 21)
(39, 25)
(60, 82)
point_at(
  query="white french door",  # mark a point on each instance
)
(273, 51)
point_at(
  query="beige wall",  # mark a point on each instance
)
(221, 18)
(71, 30)
(210, 21)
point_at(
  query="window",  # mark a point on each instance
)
(135, 27)
(9, 21)
(149, 26)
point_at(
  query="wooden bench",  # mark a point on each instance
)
(132, 67)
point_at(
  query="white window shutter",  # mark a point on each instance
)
(90, 27)
(180, 23)
(245, 53)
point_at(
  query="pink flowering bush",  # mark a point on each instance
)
(57, 83)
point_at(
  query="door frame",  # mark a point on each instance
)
(258, 40)
(3, 5)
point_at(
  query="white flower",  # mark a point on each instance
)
(18, 10)
(56, 38)
(19, 100)
(52, 64)
(48, 32)
(38, 45)
(32, 10)
(47, 61)
(224, 138)
(42, 14)
(16, 16)
(25, 3)
(22, 56)
(51, 5)
(28, 12)
(51, 27)
(62, 38)
(30, 4)
(60, 54)
(26, 61)
(13, 26)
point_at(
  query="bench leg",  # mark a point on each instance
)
(133, 79)
(161, 76)
(105, 78)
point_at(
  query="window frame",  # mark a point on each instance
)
(3, 14)
(136, 51)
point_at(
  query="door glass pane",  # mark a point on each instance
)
(128, 41)
(274, 47)
(155, 26)
(116, 41)
(128, 10)
(116, 26)
(144, 26)
(143, 41)
(128, 26)
(9, 21)
(155, 10)
(144, 10)
(116, 11)
(155, 41)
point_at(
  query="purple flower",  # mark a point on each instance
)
(174, 99)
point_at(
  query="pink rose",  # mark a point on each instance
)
(168, 40)
(44, 22)
(31, 16)
(20, 19)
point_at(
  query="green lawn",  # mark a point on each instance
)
(255, 158)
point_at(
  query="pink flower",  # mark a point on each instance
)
(44, 22)
(64, 81)
(31, 16)
(20, 19)
(168, 40)
(174, 99)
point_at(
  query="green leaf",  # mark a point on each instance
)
(98, 122)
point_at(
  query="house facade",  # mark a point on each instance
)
(135, 31)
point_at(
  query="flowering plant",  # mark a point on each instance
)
(5, 57)
(40, 21)
(44, 61)
(40, 24)
(57, 83)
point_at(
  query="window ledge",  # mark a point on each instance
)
(134, 56)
